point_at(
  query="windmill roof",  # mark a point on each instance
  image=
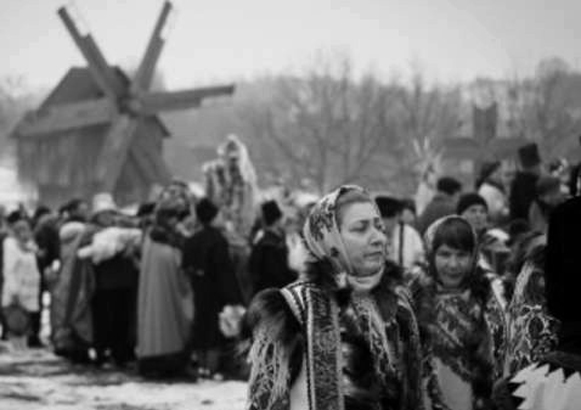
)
(78, 85)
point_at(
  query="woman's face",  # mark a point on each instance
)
(363, 235)
(477, 216)
(452, 265)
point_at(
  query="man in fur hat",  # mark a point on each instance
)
(268, 263)
(208, 262)
(524, 186)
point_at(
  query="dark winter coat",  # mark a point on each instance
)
(208, 262)
(268, 264)
(523, 192)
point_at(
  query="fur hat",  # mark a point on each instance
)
(448, 185)
(271, 212)
(529, 155)
(206, 211)
(388, 206)
(468, 200)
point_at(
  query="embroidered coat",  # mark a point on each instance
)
(317, 348)
(532, 331)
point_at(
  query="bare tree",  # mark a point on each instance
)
(541, 108)
(326, 125)
(427, 114)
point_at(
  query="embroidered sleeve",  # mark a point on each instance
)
(496, 322)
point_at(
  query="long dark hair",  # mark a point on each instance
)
(457, 233)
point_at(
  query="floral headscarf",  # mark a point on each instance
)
(321, 231)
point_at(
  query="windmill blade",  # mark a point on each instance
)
(101, 71)
(144, 75)
(64, 117)
(114, 151)
(152, 103)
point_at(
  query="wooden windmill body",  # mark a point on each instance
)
(98, 130)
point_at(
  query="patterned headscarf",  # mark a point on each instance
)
(433, 229)
(321, 231)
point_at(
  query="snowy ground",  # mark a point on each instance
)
(37, 379)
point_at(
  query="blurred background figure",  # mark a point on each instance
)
(208, 262)
(165, 301)
(442, 204)
(548, 196)
(21, 287)
(405, 246)
(268, 264)
(490, 187)
(523, 189)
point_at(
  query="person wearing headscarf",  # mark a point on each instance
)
(554, 381)
(532, 331)
(164, 301)
(209, 266)
(489, 186)
(344, 335)
(459, 316)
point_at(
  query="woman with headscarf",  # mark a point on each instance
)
(459, 316)
(343, 336)
(532, 331)
(554, 381)
(165, 302)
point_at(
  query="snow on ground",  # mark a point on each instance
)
(37, 379)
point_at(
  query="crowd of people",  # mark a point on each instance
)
(355, 300)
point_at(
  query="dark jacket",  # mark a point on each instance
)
(46, 237)
(268, 263)
(119, 272)
(208, 263)
(523, 192)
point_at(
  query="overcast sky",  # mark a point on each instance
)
(220, 40)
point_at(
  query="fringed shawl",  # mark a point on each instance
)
(398, 365)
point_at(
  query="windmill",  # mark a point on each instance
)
(99, 130)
